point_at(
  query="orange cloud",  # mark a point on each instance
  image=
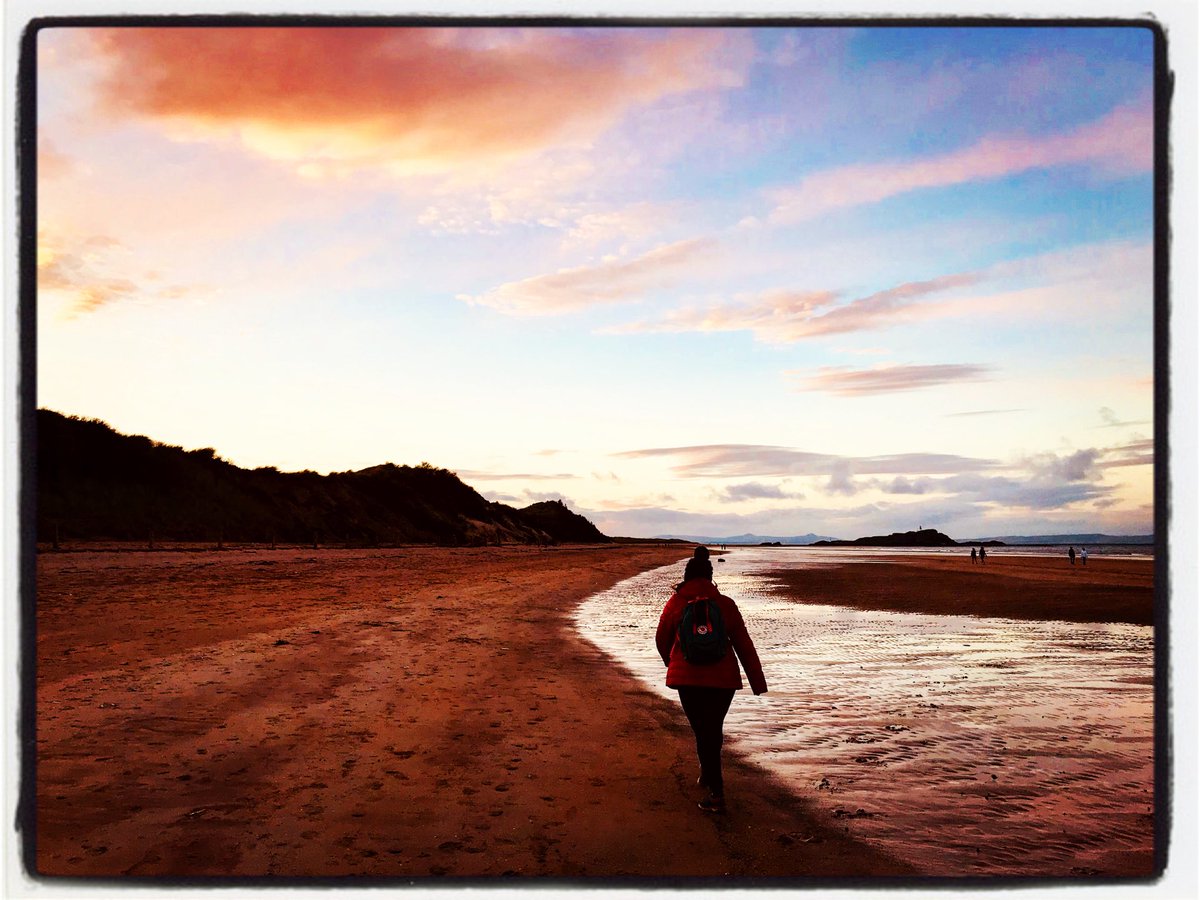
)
(1120, 141)
(334, 99)
(613, 281)
(93, 272)
(50, 161)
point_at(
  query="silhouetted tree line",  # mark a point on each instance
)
(94, 483)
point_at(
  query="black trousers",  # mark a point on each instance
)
(705, 708)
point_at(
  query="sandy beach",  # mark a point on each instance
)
(391, 713)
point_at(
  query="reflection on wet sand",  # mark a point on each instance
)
(965, 745)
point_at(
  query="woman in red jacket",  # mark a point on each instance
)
(706, 689)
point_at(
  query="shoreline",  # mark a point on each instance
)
(1038, 588)
(409, 713)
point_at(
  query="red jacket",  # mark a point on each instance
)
(724, 672)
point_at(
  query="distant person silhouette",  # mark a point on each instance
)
(982, 555)
(973, 556)
(706, 689)
(1083, 556)
(1071, 554)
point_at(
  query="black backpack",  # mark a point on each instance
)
(702, 636)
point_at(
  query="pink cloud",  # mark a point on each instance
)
(1101, 279)
(409, 99)
(755, 460)
(613, 281)
(1120, 142)
(51, 162)
(786, 316)
(888, 379)
(1138, 453)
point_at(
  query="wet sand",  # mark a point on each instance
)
(1013, 587)
(389, 713)
(966, 745)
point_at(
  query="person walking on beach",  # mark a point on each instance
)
(707, 681)
(982, 555)
(972, 556)
(1071, 554)
(1083, 556)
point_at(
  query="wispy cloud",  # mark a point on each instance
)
(781, 316)
(612, 281)
(1112, 420)
(1041, 286)
(1040, 481)
(754, 460)
(409, 100)
(1120, 142)
(96, 271)
(888, 379)
(643, 501)
(1138, 453)
(756, 490)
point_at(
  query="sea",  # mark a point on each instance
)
(966, 746)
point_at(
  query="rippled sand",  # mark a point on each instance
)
(964, 745)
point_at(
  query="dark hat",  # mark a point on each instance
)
(698, 568)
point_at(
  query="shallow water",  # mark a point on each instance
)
(967, 746)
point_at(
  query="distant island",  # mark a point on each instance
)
(926, 537)
(95, 484)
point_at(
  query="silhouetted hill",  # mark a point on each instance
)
(553, 517)
(926, 537)
(97, 484)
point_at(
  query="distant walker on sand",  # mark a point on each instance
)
(695, 631)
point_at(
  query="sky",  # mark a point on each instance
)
(706, 280)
